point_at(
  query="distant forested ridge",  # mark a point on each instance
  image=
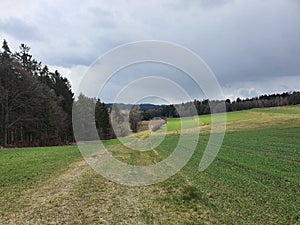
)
(36, 106)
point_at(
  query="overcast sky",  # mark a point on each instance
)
(252, 46)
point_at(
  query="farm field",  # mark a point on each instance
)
(255, 179)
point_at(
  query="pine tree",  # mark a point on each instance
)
(6, 54)
(102, 120)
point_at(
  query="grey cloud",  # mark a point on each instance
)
(254, 42)
(146, 69)
(20, 29)
(101, 17)
(204, 4)
(79, 37)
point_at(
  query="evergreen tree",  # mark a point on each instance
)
(27, 60)
(102, 120)
(6, 53)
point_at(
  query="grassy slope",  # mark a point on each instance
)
(245, 120)
(255, 179)
(23, 171)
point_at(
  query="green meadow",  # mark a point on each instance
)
(255, 179)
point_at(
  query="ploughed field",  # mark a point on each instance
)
(255, 179)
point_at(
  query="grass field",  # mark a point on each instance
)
(255, 179)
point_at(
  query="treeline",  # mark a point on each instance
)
(204, 107)
(35, 103)
(263, 101)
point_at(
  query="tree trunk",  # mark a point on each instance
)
(6, 123)
(2, 124)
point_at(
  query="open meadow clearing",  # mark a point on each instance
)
(255, 179)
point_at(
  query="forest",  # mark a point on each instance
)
(36, 105)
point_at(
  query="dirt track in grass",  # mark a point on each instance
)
(81, 196)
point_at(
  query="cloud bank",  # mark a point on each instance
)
(252, 46)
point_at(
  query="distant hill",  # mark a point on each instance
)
(143, 107)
